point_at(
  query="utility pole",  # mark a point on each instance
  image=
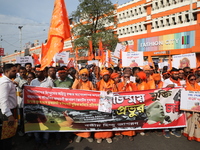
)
(20, 38)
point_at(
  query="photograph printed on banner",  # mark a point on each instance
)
(105, 103)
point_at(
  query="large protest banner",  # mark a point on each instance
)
(190, 101)
(56, 109)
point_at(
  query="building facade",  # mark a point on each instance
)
(156, 27)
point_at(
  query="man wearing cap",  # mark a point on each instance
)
(147, 69)
(141, 81)
(105, 84)
(172, 82)
(116, 78)
(84, 84)
(157, 80)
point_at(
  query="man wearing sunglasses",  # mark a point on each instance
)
(127, 85)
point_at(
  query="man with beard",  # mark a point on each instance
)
(127, 86)
(141, 81)
(182, 77)
(157, 80)
(52, 73)
(64, 81)
(41, 81)
(147, 69)
(8, 101)
(172, 82)
(84, 84)
(20, 81)
(105, 84)
(28, 67)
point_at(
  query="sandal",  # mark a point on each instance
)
(99, 141)
(109, 140)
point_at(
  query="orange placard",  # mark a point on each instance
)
(8, 131)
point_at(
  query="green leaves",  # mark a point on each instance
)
(94, 20)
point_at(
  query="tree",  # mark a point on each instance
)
(94, 20)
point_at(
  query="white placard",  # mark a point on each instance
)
(24, 60)
(184, 60)
(132, 59)
(190, 101)
(93, 61)
(62, 58)
(118, 48)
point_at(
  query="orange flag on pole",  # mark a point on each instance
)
(90, 54)
(100, 48)
(59, 31)
(127, 49)
(70, 64)
(169, 63)
(120, 60)
(150, 61)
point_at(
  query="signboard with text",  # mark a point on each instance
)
(57, 109)
(167, 42)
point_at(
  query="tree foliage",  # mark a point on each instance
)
(94, 20)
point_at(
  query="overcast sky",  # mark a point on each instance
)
(33, 15)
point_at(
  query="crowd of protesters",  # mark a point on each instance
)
(13, 77)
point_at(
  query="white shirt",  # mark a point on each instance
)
(167, 82)
(8, 97)
(45, 83)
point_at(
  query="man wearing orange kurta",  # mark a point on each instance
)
(116, 78)
(141, 81)
(150, 80)
(157, 79)
(127, 86)
(83, 84)
(105, 84)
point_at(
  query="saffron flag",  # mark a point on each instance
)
(120, 60)
(100, 48)
(150, 61)
(58, 32)
(127, 48)
(35, 59)
(90, 54)
(169, 63)
(70, 63)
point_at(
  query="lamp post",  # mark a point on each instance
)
(20, 38)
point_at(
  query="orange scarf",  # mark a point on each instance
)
(189, 87)
(105, 86)
(176, 81)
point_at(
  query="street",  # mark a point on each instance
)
(150, 142)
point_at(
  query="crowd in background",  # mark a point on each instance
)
(115, 79)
